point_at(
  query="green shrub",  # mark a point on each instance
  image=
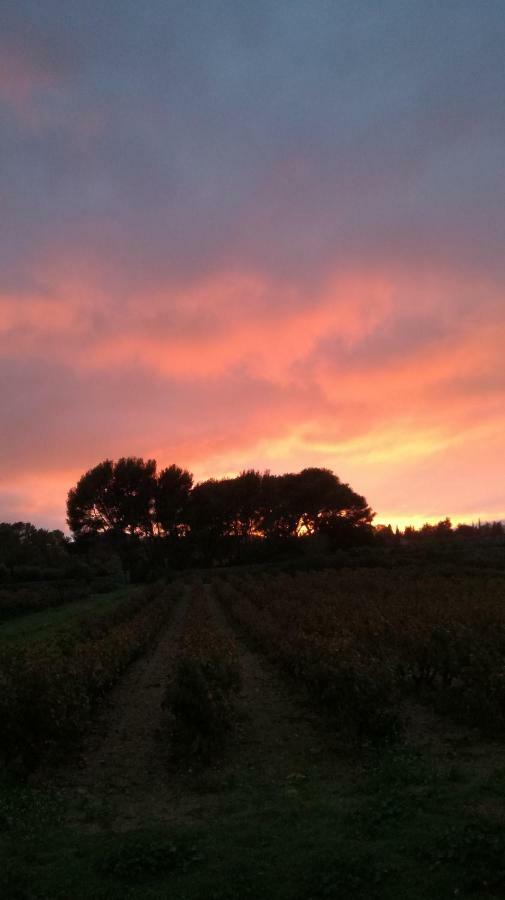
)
(199, 702)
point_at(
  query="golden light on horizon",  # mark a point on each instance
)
(417, 521)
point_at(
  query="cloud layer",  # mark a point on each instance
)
(265, 234)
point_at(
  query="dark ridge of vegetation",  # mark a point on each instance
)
(157, 521)
(130, 523)
(48, 688)
(367, 643)
(128, 497)
(199, 701)
(410, 625)
(40, 569)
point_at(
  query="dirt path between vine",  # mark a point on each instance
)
(280, 737)
(120, 774)
(123, 780)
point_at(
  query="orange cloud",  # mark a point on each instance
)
(258, 325)
(274, 375)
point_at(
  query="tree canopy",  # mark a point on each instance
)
(129, 497)
(114, 496)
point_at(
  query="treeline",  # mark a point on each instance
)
(40, 568)
(28, 553)
(439, 531)
(129, 501)
(129, 520)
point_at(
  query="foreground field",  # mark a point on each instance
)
(42, 625)
(291, 794)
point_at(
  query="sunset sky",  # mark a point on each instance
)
(261, 234)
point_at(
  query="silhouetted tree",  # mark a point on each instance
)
(22, 543)
(115, 497)
(208, 514)
(323, 498)
(310, 502)
(386, 535)
(275, 521)
(245, 499)
(219, 517)
(278, 507)
(171, 500)
(441, 529)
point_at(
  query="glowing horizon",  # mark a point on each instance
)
(254, 236)
(417, 522)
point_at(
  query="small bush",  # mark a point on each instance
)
(361, 698)
(200, 697)
(199, 703)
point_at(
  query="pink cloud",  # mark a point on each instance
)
(277, 376)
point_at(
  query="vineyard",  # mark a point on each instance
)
(364, 642)
(199, 698)
(48, 687)
(259, 733)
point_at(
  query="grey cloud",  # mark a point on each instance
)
(287, 135)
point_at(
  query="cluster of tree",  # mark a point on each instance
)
(481, 529)
(130, 498)
(23, 546)
(126, 517)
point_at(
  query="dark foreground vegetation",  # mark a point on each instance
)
(402, 795)
(49, 686)
(411, 826)
(132, 524)
(330, 713)
(159, 521)
(364, 643)
(200, 697)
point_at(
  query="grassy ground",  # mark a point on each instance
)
(41, 625)
(399, 825)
